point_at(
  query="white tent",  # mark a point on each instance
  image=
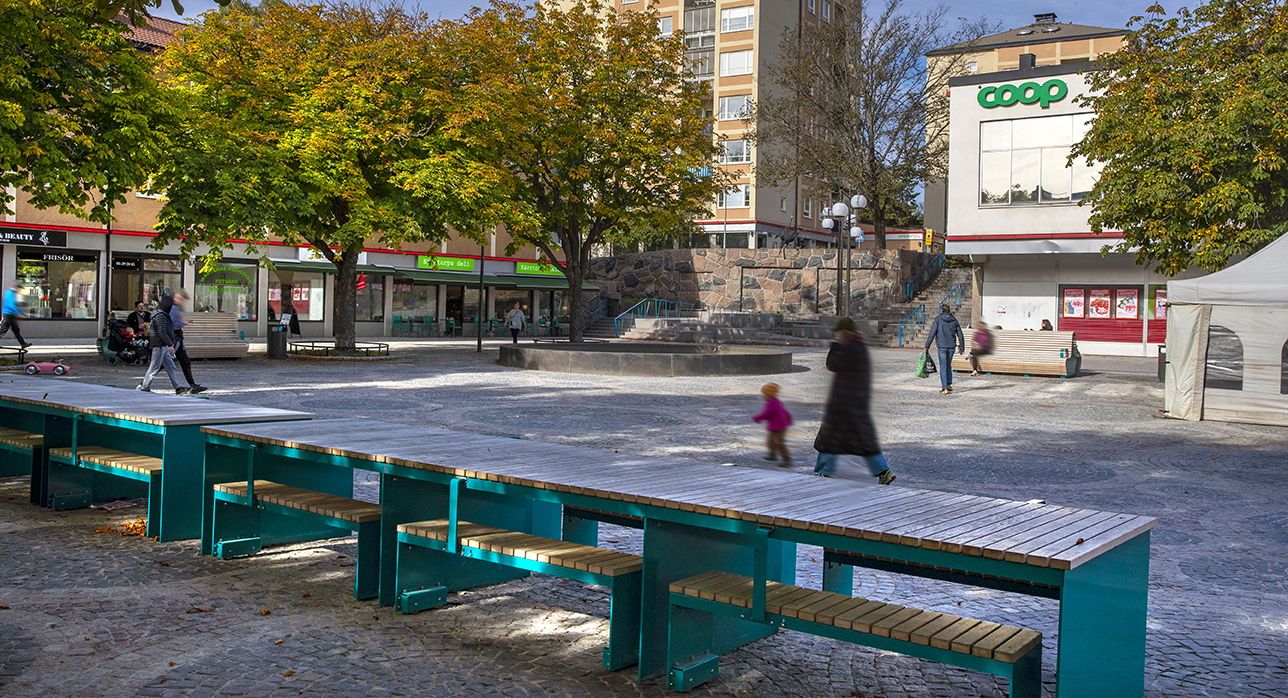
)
(1227, 342)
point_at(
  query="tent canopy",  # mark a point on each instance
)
(1258, 280)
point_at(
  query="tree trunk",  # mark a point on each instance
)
(576, 301)
(346, 298)
(878, 226)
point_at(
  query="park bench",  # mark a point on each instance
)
(1027, 353)
(131, 466)
(23, 443)
(1003, 650)
(213, 336)
(229, 524)
(620, 572)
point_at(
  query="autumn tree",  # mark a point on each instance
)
(322, 125)
(82, 118)
(1190, 131)
(854, 104)
(597, 125)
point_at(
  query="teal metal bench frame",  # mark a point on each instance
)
(428, 569)
(241, 514)
(32, 466)
(693, 661)
(77, 501)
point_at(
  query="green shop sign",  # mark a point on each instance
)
(1024, 93)
(543, 268)
(446, 263)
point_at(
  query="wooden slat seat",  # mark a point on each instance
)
(213, 336)
(233, 534)
(1027, 353)
(24, 440)
(111, 458)
(321, 503)
(430, 565)
(1011, 651)
(609, 563)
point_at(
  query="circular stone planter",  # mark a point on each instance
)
(639, 359)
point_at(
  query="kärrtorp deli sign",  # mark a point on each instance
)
(1024, 93)
(33, 236)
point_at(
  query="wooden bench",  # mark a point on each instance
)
(230, 526)
(22, 443)
(420, 589)
(1003, 650)
(213, 336)
(132, 466)
(1028, 353)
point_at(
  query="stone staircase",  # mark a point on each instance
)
(601, 329)
(893, 314)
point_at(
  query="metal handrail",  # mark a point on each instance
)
(957, 291)
(921, 280)
(596, 312)
(653, 307)
(917, 317)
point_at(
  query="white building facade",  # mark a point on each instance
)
(1014, 208)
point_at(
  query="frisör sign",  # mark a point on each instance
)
(1025, 93)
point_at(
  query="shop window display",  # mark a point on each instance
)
(59, 285)
(296, 292)
(227, 287)
(415, 300)
(370, 299)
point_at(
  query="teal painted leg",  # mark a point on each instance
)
(420, 568)
(689, 659)
(838, 578)
(583, 531)
(222, 464)
(623, 623)
(234, 522)
(366, 583)
(181, 487)
(70, 487)
(547, 519)
(154, 504)
(1026, 675)
(1103, 606)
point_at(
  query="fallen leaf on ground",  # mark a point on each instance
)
(289, 673)
(194, 609)
(4, 608)
(306, 595)
(171, 663)
(264, 611)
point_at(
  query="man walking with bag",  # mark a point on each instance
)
(946, 333)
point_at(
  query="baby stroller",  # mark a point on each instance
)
(123, 346)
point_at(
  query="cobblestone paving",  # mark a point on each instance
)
(89, 614)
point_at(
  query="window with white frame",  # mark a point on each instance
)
(827, 11)
(736, 152)
(629, 2)
(734, 107)
(1025, 162)
(665, 26)
(806, 205)
(782, 206)
(736, 196)
(736, 19)
(735, 63)
(809, 5)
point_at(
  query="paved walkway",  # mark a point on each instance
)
(97, 614)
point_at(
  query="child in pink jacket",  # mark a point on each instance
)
(776, 419)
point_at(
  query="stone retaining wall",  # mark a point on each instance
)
(775, 280)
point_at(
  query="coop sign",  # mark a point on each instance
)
(1024, 93)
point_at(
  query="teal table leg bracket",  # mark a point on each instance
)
(694, 671)
(239, 547)
(422, 599)
(77, 500)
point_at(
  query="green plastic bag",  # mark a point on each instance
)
(921, 371)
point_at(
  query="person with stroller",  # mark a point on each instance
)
(180, 300)
(161, 340)
(12, 311)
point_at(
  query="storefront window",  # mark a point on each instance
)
(371, 298)
(59, 285)
(296, 292)
(507, 297)
(144, 279)
(1024, 162)
(161, 277)
(470, 305)
(227, 287)
(415, 300)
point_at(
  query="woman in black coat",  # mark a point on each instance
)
(847, 426)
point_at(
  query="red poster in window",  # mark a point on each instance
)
(362, 282)
(1074, 302)
(1127, 305)
(1101, 305)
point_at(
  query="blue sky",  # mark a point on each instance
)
(1012, 13)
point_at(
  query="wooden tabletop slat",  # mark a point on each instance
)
(135, 406)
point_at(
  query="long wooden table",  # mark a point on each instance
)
(71, 415)
(697, 518)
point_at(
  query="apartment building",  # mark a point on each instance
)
(730, 45)
(1048, 40)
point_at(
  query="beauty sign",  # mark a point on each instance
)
(1101, 305)
(1075, 302)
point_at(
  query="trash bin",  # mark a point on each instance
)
(1162, 362)
(277, 341)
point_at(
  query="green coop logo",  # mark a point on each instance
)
(1024, 93)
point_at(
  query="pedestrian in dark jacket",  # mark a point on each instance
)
(776, 419)
(161, 340)
(946, 333)
(847, 427)
(181, 299)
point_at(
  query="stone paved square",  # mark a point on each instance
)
(98, 614)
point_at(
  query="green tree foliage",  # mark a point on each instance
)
(80, 110)
(1191, 129)
(596, 124)
(321, 125)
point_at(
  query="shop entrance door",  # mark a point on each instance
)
(456, 304)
